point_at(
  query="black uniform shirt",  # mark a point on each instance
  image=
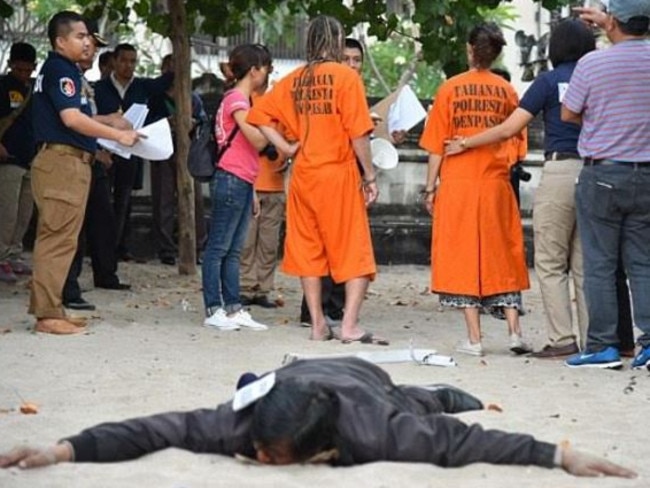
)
(59, 87)
(19, 137)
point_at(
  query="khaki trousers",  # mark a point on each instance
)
(60, 183)
(558, 252)
(16, 206)
(259, 256)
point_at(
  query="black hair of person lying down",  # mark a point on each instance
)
(304, 415)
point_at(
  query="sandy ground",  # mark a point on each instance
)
(145, 352)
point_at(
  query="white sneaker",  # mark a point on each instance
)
(467, 347)
(244, 319)
(518, 346)
(219, 320)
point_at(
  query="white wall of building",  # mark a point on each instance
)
(533, 19)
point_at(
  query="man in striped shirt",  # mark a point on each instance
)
(609, 94)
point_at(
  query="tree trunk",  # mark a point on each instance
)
(183, 116)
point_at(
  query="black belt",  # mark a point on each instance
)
(560, 155)
(610, 162)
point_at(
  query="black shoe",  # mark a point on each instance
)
(168, 260)
(246, 301)
(78, 304)
(126, 256)
(113, 286)
(263, 301)
(455, 400)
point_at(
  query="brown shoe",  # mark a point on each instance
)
(57, 327)
(556, 352)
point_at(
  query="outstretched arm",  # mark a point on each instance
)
(218, 431)
(446, 441)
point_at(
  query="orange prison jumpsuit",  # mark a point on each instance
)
(477, 246)
(324, 107)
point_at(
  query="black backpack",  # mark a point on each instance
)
(204, 153)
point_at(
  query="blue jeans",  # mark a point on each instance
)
(613, 213)
(232, 200)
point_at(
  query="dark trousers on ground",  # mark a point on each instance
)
(98, 236)
(163, 200)
(123, 176)
(332, 298)
(624, 328)
(613, 204)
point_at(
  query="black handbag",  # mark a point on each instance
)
(204, 153)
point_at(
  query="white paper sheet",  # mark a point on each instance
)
(136, 114)
(253, 392)
(406, 112)
(426, 357)
(158, 144)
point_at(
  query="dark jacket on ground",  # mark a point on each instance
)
(378, 421)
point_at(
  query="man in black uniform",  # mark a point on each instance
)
(66, 134)
(343, 411)
(117, 92)
(17, 149)
(98, 231)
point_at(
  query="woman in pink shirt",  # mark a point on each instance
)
(231, 189)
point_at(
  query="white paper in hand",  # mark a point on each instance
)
(253, 392)
(157, 144)
(136, 114)
(406, 112)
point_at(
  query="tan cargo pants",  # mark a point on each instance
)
(60, 184)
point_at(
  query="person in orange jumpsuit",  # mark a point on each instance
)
(323, 107)
(478, 255)
(259, 256)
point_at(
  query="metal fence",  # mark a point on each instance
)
(289, 45)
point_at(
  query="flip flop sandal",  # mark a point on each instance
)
(368, 338)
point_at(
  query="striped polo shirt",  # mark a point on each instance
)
(611, 89)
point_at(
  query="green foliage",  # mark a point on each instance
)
(444, 24)
(391, 58)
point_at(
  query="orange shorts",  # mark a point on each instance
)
(327, 224)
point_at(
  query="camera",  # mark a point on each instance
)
(270, 152)
(521, 173)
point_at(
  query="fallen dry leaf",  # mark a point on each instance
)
(494, 407)
(5, 330)
(28, 408)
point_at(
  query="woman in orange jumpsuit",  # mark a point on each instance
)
(478, 255)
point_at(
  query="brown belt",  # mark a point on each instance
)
(85, 156)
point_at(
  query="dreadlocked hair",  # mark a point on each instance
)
(324, 39)
(324, 43)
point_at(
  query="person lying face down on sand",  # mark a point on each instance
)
(343, 412)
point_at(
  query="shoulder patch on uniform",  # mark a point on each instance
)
(66, 85)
